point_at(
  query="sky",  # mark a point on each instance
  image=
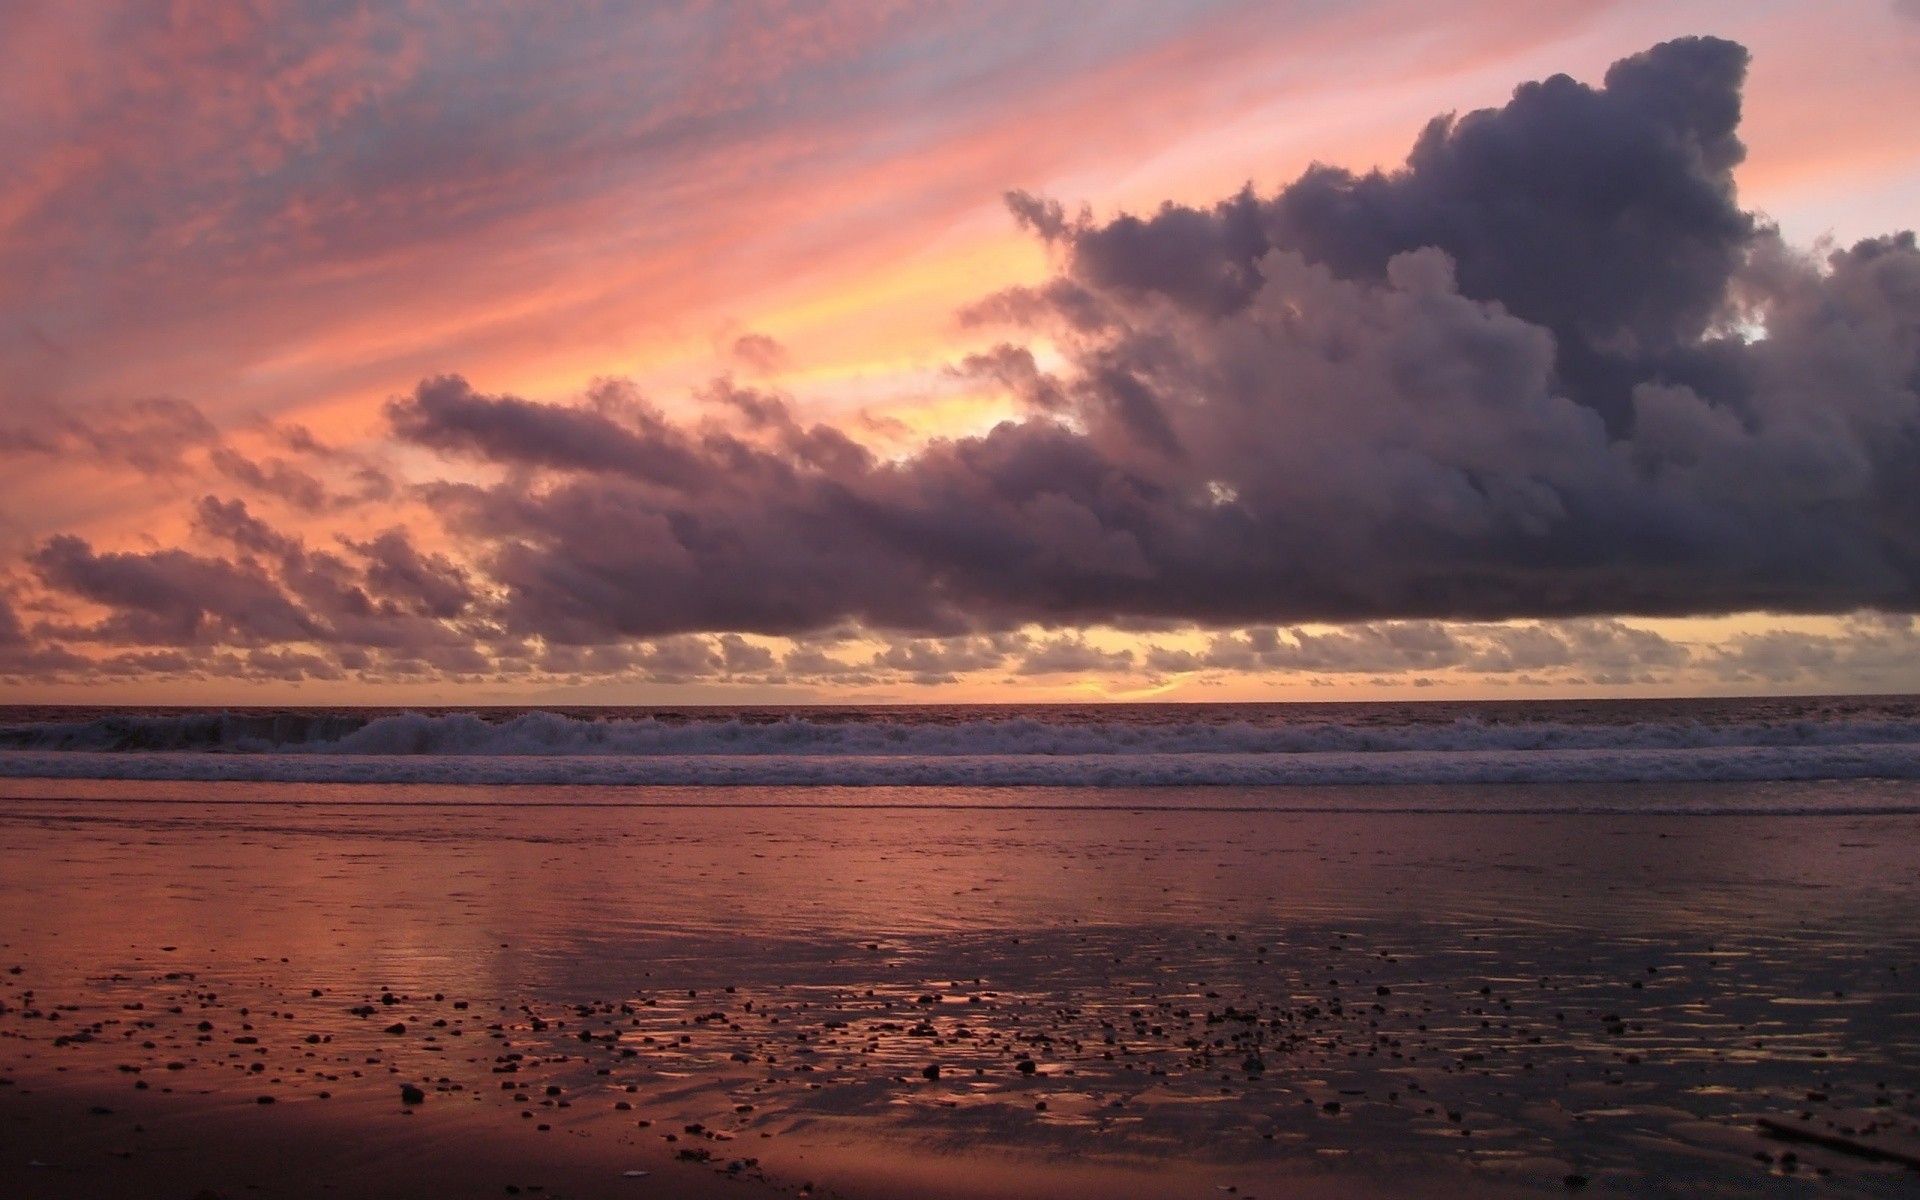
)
(772, 351)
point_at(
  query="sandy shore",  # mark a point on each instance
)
(951, 1004)
(86, 1141)
(59, 1145)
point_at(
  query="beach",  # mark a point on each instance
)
(920, 992)
(986, 601)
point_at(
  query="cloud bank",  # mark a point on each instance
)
(1547, 370)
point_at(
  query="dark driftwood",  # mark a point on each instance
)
(1785, 1132)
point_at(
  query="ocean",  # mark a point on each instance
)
(1798, 751)
(1660, 947)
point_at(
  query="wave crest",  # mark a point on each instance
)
(549, 734)
(1013, 751)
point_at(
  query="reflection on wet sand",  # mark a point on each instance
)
(842, 998)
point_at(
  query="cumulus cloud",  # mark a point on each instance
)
(1548, 373)
(1516, 378)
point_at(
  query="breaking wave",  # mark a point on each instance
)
(1014, 751)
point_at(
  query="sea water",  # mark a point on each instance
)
(1259, 750)
(1519, 940)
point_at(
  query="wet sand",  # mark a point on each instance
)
(958, 1002)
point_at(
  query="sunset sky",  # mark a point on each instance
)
(769, 351)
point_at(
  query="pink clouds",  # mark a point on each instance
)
(309, 207)
(271, 210)
(222, 217)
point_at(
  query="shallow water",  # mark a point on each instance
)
(1521, 994)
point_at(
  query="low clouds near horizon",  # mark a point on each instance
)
(1547, 375)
